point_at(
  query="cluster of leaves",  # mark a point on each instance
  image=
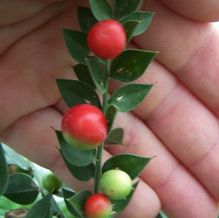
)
(93, 76)
(18, 184)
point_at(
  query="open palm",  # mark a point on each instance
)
(177, 123)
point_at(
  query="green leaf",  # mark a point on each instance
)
(41, 209)
(13, 157)
(76, 43)
(130, 96)
(110, 115)
(68, 193)
(125, 7)
(86, 18)
(143, 17)
(98, 72)
(55, 209)
(101, 9)
(73, 155)
(120, 205)
(83, 74)
(131, 64)
(78, 200)
(130, 27)
(21, 189)
(76, 92)
(3, 171)
(81, 173)
(115, 136)
(130, 163)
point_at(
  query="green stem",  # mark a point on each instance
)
(100, 148)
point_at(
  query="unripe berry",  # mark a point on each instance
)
(107, 39)
(84, 126)
(51, 183)
(98, 206)
(116, 184)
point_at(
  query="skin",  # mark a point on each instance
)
(177, 123)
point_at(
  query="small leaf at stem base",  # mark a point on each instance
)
(115, 136)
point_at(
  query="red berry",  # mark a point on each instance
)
(107, 39)
(98, 206)
(84, 126)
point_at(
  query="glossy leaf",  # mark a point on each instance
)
(120, 205)
(76, 43)
(131, 64)
(76, 92)
(83, 74)
(73, 155)
(130, 96)
(143, 17)
(21, 189)
(68, 193)
(13, 157)
(55, 209)
(130, 27)
(130, 163)
(86, 18)
(125, 7)
(78, 201)
(3, 171)
(101, 9)
(41, 209)
(115, 136)
(81, 173)
(98, 72)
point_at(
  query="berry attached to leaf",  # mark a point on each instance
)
(116, 184)
(84, 126)
(107, 39)
(98, 206)
(51, 183)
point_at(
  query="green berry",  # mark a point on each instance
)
(51, 183)
(116, 184)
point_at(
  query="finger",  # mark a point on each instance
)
(190, 131)
(27, 70)
(203, 10)
(188, 49)
(10, 34)
(33, 136)
(164, 173)
(13, 11)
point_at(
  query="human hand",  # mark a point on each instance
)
(177, 122)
